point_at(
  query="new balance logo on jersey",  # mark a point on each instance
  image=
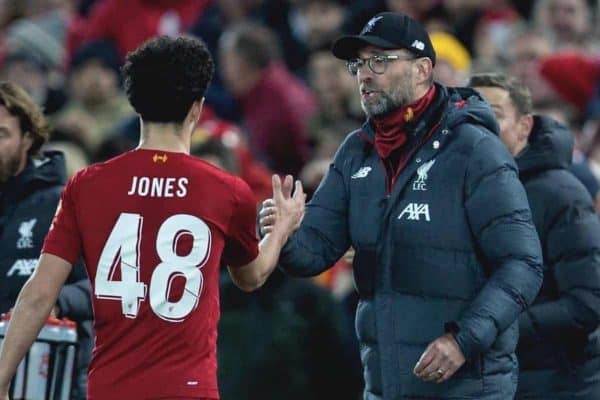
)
(361, 173)
(26, 232)
(414, 211)
(23, 267)
(157, 158)
(420, 183)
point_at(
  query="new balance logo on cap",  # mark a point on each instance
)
(417, 44)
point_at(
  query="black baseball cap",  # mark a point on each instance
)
(388, 31)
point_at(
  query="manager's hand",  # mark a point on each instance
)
(440, 360)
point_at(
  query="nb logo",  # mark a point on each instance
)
(414, 211)
(417, 44)
(420, 183)
(157, 158)
(361, 173)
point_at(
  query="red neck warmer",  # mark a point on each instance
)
(389, 130)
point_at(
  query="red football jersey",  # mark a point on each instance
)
(153, 228)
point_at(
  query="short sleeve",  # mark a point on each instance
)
(241, 245)
(63, 239)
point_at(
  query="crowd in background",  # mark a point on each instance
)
(280, 102)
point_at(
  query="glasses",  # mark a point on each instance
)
(378, 63)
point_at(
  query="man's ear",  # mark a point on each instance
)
(525, 125)
(424, 68)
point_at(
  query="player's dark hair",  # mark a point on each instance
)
(165, 76)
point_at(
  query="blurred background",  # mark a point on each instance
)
(280, 102)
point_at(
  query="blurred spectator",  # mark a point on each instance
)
(522, 59)
(32, 74)
(316, 23)
(492, 31)
(129, 26)
(40, 31)
(567, 22)
(338, 111)
(217, 136)
(575, 79)
(97, 102)
(453, 61)
(276, 106)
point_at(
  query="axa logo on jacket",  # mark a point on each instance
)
(414, 211)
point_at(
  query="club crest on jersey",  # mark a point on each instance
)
(26, 232)
(414, 211)
(421, 182)
(162, 158)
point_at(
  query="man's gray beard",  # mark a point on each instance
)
(382, 107)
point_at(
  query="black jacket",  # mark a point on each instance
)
(559, 351)
(452, 247)
(27, 205)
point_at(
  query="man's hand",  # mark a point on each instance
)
(288, 209)
(441, 360)
(283, 205)
(4, 393)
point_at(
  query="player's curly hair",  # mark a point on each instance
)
(165, 75)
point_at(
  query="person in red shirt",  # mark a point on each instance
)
(154, 225)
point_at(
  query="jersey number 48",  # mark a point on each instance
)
(122, 250)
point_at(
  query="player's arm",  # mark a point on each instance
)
(290, 210)
(36, 299)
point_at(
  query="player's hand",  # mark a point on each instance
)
(288, 209)
(440, 360)
(267, 216)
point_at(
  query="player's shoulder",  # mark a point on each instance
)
(91, 172)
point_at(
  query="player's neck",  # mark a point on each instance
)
(166, 137)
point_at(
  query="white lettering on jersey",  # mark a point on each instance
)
(23, 267)
(158, 187)
(414, 211)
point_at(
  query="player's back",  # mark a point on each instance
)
(153, 227)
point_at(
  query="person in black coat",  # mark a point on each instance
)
(559, 348)
(447, 256)
(30, 185)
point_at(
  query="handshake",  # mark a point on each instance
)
(284, 211)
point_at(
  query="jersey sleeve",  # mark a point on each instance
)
(63, 239)
(241, 245)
